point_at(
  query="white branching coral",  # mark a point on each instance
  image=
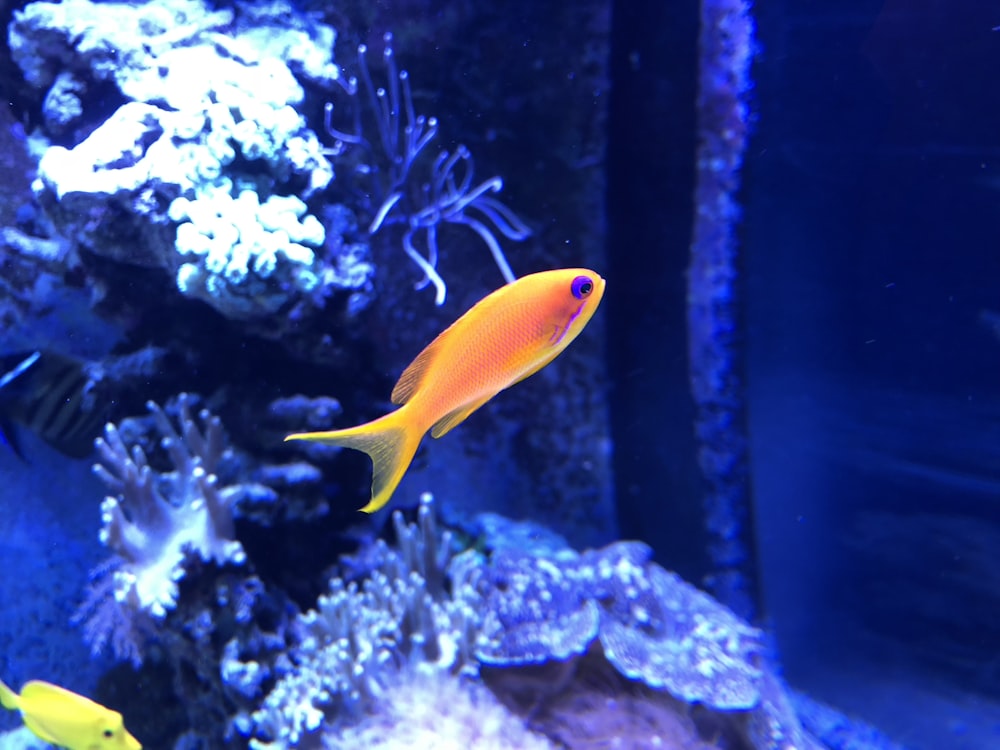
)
(363, 636)
(154, 520)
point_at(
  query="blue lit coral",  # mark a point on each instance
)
(208, 116)
(234, 249)
(437, 710)
(361, 637)
(651, 625)
(410, 189)
(423, 613)
(154, 522)
(534, 612)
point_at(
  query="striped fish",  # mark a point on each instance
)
(55, 397)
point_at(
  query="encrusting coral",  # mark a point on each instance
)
(538, 628)
(652, 626)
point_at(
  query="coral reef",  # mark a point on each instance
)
(606, 636)
(362, 636)
(651, 625)
(155, 522)
(410, 190)
(553, 635)
(436, 710)
(203, 169)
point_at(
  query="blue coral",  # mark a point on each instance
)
(652, 626)
(659, 629)
(155, 523)
(534, 613)
(362, 635)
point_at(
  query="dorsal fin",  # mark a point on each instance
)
(409, 382)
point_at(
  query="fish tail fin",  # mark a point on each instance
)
(8, 698)
(391, 442)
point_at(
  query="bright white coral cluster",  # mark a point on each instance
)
(156, 519)
(231, 248)
(433, 709)
(210, 115)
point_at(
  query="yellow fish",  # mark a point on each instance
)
(65, 719)
(506, 336)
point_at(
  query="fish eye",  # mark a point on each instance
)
(582, 286)
(108, 734)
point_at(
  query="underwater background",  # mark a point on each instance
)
(752, 506)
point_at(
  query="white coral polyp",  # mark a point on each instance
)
(159, 520)
(154, 557)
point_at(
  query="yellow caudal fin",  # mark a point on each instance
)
(8, 698)
(390, 441)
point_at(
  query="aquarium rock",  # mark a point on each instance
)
(534, 613)
(659, 629)
(204, 168)
(652, 626)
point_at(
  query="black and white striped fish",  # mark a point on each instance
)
(54, 396)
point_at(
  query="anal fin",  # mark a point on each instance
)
(454, 418)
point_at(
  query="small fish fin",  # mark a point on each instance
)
(41, 731)
(25, 363)
(390, 441)
(544, 363)
(8, 435)
(409, 382)
(454, 418)
(8, 698)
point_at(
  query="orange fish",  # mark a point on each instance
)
(506, 336)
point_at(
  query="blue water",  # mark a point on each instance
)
(865, 353)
